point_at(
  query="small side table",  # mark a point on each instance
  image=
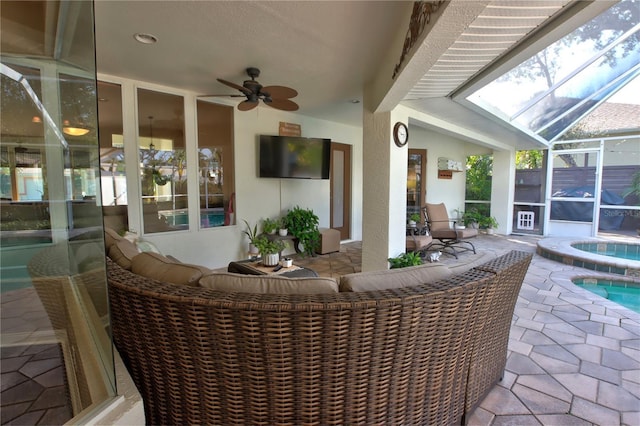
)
(245, 267)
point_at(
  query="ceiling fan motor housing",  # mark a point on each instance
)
(253, 72)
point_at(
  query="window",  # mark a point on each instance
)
(562, 83)
(163, 161)
(112, 166)
(215, 156)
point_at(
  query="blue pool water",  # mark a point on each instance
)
(625, 293)
(181, 218)
(619, 250)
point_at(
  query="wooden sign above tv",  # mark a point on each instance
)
(289, 129)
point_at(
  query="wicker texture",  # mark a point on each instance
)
(199, 356)
(492, 324)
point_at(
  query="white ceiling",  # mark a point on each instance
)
(327, 50)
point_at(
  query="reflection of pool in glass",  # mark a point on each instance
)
(620, 250)
(625, 293)
(17, 240)
(180, 218)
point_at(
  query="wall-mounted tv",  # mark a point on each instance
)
(294, 157)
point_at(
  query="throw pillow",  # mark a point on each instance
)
(147, 246)
(268, 284)
(123, 252)
(110, 238)
(158, 267)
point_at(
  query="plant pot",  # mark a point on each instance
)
(271, 259)
(489, 231)
(282, 232)
(412, 223)
(253, 250)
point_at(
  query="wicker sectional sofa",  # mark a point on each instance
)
(401, 354)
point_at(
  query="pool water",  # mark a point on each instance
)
(625, 293)
(619, 250)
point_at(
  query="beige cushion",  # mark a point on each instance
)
(268, 284)
(418, 242)
(394, 278)
(471, 260)
(110, 238)
(157, 267)
(122, 252)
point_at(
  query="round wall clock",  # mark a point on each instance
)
(400, 134)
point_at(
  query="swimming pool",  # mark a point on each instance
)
(619, 250)
(625, 293)
(180, 218)
(566, 251)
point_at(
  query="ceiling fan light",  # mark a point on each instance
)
(74, 130)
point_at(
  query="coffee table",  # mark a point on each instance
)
(251, 267)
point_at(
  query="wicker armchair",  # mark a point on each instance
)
(401, 356)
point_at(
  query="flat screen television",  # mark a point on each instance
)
(294, 157)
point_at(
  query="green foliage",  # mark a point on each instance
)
(252, 233)
(415, 217)
(527, 160)
(635, 186)
(479, 171)
(269, 225)
(471, 216)
(405, 259)
(266, 246)
(303, 224)
(488, 222)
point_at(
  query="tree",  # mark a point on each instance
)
(529, 159)
(479, 171)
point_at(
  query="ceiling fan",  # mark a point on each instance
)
(277, 97)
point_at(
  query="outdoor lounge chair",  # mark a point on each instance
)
(418, 240)
(450, 236)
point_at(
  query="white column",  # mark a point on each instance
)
(502, 189)
(384, 190)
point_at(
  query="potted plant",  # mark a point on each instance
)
(489, 224)
(414, 218)
(269, 226)
(269, 250)
(303, 225)
(405, 259)
(471, 218)
(282, 226)
(252, 233)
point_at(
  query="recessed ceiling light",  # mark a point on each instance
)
(145, 38)
(355, 101)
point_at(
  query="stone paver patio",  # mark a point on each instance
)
(574, 357)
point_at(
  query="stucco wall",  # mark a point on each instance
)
(256, 198)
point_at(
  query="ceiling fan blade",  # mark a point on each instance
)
(235, 86)
(226, 96)
(247, 105)
(280, 92)
(283, 104)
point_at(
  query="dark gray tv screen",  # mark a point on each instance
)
(294, 157)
